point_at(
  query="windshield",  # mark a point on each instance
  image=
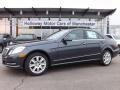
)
(116, 36)
(56, 35)
(24, 37)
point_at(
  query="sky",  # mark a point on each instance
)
(94, 4)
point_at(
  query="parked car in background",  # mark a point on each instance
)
(114, 37)
(23, 38)
(63, 47)
(5, 39)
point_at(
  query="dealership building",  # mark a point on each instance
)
(45, 21)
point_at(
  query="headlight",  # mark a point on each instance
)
(16, 50)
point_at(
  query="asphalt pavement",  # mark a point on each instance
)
(82, 76)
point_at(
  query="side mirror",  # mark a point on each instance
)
(39, 38)
(65, 40)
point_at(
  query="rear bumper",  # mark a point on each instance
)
(119, 48)
(116, 52)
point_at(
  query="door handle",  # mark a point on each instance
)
(102, 42)
(84, 43)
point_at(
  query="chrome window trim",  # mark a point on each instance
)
(87, 39)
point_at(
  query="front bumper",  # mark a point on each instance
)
(119, 48)
(13, 61)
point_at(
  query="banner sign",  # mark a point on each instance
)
(58, 23)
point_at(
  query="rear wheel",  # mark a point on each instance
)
(36, 64)
(106, 58)
(1, 48)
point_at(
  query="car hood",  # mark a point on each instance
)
(33, 43)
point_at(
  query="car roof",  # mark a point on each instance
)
(26, 34)
(81, 29)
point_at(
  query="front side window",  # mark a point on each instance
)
(75, 35)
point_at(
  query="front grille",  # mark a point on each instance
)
(5, 51)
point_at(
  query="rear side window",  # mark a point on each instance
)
(75, 35)
(93, 35)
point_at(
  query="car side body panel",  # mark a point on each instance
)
(61, 53)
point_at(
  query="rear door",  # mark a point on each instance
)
(93, 44)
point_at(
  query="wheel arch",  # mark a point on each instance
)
(39, 51)
(109, 49)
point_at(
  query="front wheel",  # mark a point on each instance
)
(36, 64)
(106, 58)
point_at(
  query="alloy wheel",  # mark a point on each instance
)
(37, 64)
(107, 58)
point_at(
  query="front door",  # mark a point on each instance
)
(73, 48)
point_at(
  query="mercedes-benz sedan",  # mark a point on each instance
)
(63, 47)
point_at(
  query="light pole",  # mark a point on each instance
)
(11, 25)
(108, 23)
(16, 26)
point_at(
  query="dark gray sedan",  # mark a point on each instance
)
(63, 47)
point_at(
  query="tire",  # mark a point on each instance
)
(1, 48)
(106, 58)
(36, 64)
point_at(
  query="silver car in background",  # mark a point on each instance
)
(114, 37)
